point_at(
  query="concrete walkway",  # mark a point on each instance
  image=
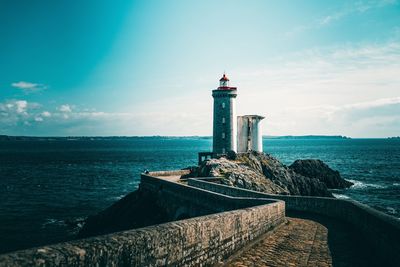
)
(316, 241)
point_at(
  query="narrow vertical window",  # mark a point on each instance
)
(223, 135)
(223, 120)
(223, 104)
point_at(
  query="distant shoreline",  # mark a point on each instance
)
(94, 138)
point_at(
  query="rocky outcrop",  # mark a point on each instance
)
(317, 169)
(237, 174)
(254, 171)
(135, 210)
(261, 172)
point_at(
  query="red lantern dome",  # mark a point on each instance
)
(224, 83)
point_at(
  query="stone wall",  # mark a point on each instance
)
(207, 239)
(169, 173)
(178, 199)
(198, 241)
(382, 230)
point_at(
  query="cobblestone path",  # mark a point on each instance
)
(297, 243)
(309, 240)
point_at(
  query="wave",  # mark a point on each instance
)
(116, 197)
(74, 222)
(391, 210)
(51, 221)
(340, 196)
(362, 185)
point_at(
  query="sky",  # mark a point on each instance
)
(102, 68)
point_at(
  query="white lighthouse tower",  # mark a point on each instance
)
(225, 122)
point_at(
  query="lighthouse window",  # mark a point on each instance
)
(223, 120)
(223, 104)
(223, 135)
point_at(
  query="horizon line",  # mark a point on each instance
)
(187, 136)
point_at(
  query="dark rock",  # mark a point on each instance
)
(317, 169)
(262, 172)
(231, 155)
(135, 210)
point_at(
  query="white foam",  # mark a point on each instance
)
(391, 210)
(117, 197)
(340, 196)
(52, 222)
(362, 185)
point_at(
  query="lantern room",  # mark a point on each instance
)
(224, 81)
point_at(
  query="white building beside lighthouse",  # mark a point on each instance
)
(249, 133)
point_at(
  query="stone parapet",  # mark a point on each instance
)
(381, 230)
(199, 241)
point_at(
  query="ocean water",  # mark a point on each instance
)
(44, 184)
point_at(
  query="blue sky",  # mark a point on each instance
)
(148, 67)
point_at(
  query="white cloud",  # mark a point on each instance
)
(345, 70)
(81, 121)
(302, 93)
(46, 114)
(356, 7)
(348, 90)
(14, 113)
(28, 86)
(65, 108)
(374, 103)
(375, 118)
(21, 106)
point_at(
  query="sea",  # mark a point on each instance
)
(47, 187)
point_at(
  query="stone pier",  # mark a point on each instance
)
(213, 224)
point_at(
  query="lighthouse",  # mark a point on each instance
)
(224, 119)
(231, 133)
